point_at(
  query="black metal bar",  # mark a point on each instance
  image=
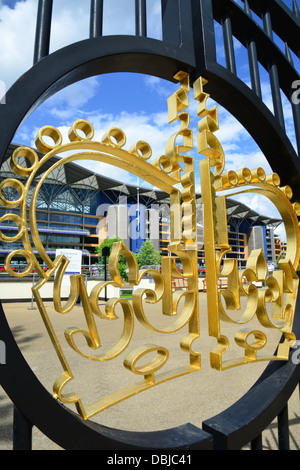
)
(244, 28)
(258, 407)
(288, 54)
(296, 10)
(43, 28)
(253, 61)
(204, 36)
(275, 88)
(22, 431)
(267, 22)
(241, 422)
(285, 23)
(228, 44)
(96, 18)
(254, 70)
(256, 444)
(105, 254)
(171, 22)
(177, 27)
(296, 116)
(273, 73)
(186, 20)
(283, 429)
(140, 18)
(295, 105)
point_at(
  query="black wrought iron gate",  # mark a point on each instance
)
(188, 44)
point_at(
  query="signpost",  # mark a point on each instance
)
(105, 254)
(75, 262)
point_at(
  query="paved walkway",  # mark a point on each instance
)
(192, 398)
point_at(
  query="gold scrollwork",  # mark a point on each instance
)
(48, 131)
(115, 137)
(273, 288)
(83, 126)
(18, 186)
(20, 224)
(148, 369)
(173, 173)
(29, 259)
(207, 142)
(112, 145)
(141, 149)
(27, 153)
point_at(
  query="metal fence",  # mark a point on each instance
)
(188, 43)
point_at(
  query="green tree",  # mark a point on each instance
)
(148, 255)
(122, 261)
(281, 256)
(106, 242)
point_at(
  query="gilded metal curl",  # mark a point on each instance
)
(167, 172)
(283, 283)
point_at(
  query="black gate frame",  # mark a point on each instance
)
(188, 44)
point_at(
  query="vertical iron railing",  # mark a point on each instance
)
(140, 18)
(228, 43)
(22, 431)
(283, 429)
(195, 33)
(273, 72)
(43, 29)
(252, 57)
(96, 18)
(176, 23)
(260, 43)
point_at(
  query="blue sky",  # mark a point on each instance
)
(135, 103)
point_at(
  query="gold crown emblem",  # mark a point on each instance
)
(271, 306)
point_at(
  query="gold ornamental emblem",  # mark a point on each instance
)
(268, 300)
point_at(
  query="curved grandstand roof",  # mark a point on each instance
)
(75, 175)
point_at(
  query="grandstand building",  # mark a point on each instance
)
(78, 209)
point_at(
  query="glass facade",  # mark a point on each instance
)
(74, 215)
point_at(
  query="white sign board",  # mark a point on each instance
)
(75, 261)
(271, 267)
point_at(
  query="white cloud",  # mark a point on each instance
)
(258, 203)
(263, 206)
(152, 128)
(230, 130)
(136, 127)
(154, 29)
(157, 86)
(71, 101)
(70, 23)
(238, 160)
(17, 32)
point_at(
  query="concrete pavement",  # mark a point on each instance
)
(192, 398)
